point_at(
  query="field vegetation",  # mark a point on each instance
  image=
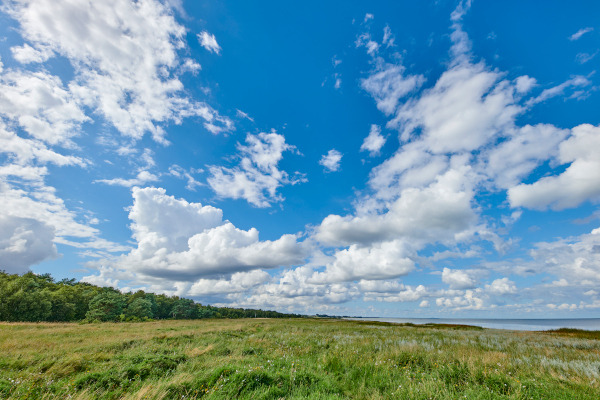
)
(293, 359)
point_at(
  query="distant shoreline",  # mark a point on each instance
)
(519, 324)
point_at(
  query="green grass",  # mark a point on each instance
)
(293, 359)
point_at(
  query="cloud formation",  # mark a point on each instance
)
(209, 42)
(374, 141)
(331, 161)
(183, 241)
(125, 70)
(257, 176)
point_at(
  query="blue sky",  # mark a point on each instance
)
(416, 159)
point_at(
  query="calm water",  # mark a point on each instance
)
(590, 324)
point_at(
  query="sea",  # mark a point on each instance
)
(589, 324)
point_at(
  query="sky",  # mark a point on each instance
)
(395, 159)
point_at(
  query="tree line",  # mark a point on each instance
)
(39, 298)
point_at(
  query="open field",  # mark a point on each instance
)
(292, 359)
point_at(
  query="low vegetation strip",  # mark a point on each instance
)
(291, 359)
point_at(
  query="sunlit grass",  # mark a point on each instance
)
(293, 359)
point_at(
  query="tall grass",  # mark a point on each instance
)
(292, 359)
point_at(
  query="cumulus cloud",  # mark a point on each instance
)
(578, 183)
(459, 279)
(257, 177)
(331, 160)
(40, 104)
(125, 69)
(391, 291)
(183, 241)
(374, 142)
(24, 242)
(439, 212)
(379, 261)
(465, 109)
(239, 282)
(524, 149)
(209, 42)
(501, 286)
(293, 290)
(33, 207)
(26, 54)
(469, 300)
(575, 259)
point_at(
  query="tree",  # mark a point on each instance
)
(139, 308)
(106, 306)
(184, 309)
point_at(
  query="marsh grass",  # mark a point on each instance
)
(293, 359)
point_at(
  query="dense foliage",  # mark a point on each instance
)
(35, 298)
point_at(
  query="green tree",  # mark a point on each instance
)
(184, 309)
(139, 308)
(106, 306)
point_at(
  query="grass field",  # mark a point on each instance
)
(293, 359)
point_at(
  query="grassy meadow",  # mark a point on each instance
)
(293, 359)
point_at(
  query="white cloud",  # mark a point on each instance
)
(388, 36)
(580, 33)
(439, 212)
(243, 115)
(331, 160)
(179, 172)
(26, 54)
(125, 57)
(575, 259)
(411, 166)
(524, 149)
(209, 42)
(24, 242)
(338, 83)
(374, 142)
(501, 286)
(141, 179)
(466, 108)
(181, 241)
(294, 291)
(578, 183)
(459, 279)
(388, 84)
(22, 151)
(575, 82)
(470, 300)
(524, 83)
(33, 218)
(391, 291)
(379, 261)
(257, 177)
(39, 104)
(582, 58)
(238, 283)
(190, 65)
(365, 40)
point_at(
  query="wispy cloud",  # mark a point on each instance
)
(580, 33)
(257, 176)
(209, 42)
